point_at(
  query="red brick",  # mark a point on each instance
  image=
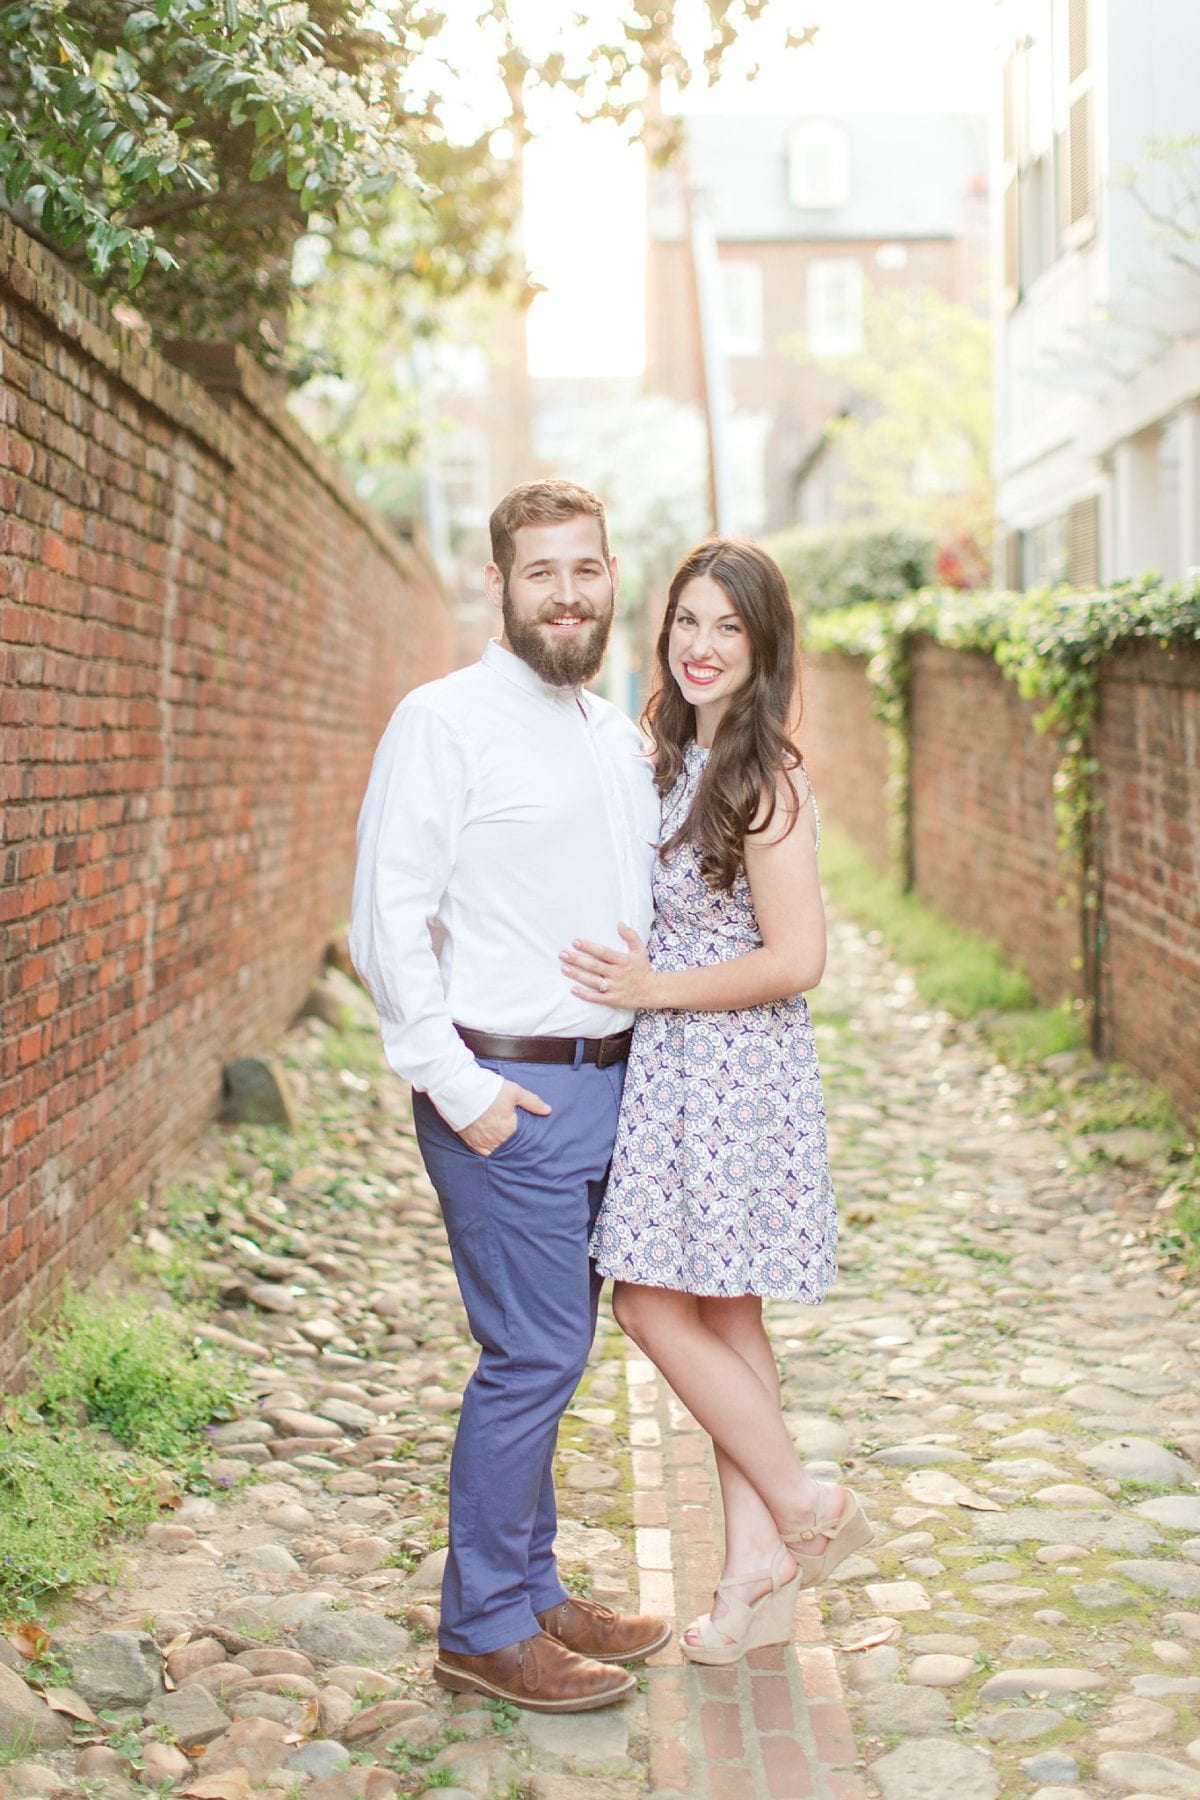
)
(728, 1782)
(721, 1725)
(670, 1766)
(833, 1733)
(818, 1671)
(985, 839)
(649, 1509)
(771, 1702)
(788, 1771)
(843, 1785)
(178, 814)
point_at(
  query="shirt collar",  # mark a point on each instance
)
(513, 669)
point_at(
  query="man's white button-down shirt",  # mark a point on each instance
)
(503, 818)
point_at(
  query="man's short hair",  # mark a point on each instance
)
(541, 503)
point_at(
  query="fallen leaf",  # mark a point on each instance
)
(177, 1643)
(30, 1638)
(62, 1700)
(234, 1786)
(887, 1636)
(977, 1503)
(309, 1719)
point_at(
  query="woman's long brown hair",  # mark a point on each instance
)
(751, 746)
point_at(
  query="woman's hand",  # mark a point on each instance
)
(621, 978)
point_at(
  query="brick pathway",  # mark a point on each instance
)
(772, 1727)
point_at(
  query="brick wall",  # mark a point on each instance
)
(984, 839)
(1147, 743)
(202, 634)
(983, 834)
(846, 750)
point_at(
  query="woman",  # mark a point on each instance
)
(720, 1192)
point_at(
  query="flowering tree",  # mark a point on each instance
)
(915, 440)
(181, 146)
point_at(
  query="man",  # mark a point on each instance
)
(508, 813)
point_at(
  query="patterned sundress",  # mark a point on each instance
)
(720, 1177)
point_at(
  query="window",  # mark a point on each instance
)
(1044, 553)
(459, 466)
(741, 308)
(1083, 542)
(835, 306)
(818, 164)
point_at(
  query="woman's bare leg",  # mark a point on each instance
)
(728, 1388)
(751, 1534)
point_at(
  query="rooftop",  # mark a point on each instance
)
(907, 177)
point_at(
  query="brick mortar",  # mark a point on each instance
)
(202, 636)
(984, 835)
(707, 1741)
(38, 279)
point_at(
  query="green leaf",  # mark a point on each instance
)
(233, 15)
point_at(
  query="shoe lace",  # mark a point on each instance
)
(593, 1607)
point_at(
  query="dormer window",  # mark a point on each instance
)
(818, 164)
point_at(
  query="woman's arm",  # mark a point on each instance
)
(781, 868)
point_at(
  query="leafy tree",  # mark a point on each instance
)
(182, 146)
(847, 565)
(916, 440)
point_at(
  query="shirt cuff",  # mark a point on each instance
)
(462, 1097)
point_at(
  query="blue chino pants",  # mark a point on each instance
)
(518, 1223)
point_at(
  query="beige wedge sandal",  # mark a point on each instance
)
(846, 1531)
(748, 1625)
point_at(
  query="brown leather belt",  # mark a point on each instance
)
(601, 1051)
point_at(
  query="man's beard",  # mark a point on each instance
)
(564, 658)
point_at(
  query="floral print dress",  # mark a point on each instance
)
(720, 1178)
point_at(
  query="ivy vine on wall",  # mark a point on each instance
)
(1052, 643)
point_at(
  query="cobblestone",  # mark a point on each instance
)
(1006, 1372)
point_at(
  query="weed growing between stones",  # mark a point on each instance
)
(21, 1743)
(138, 1374)
(62, 1498)
(118, 1393)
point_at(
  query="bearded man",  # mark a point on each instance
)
(508, 813)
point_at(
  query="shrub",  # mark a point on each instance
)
(138, 1373)
(60, 1498)
(846, 565)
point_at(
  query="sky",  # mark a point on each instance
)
(584, 215)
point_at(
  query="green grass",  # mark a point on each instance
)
(20, 1746)
(139, 1374)
(117, 1392)
(957, 970)
(62, 1497)
(970, 977)
(1180, 1236)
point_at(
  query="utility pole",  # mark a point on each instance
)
(712, 371)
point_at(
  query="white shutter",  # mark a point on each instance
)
(1079, 174)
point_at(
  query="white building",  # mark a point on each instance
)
(1098, 290)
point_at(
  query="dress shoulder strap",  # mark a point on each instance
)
(803, 767)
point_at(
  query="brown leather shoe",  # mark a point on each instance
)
(539, 1674)
(605, 1636)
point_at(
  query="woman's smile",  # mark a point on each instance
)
(708, 652)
